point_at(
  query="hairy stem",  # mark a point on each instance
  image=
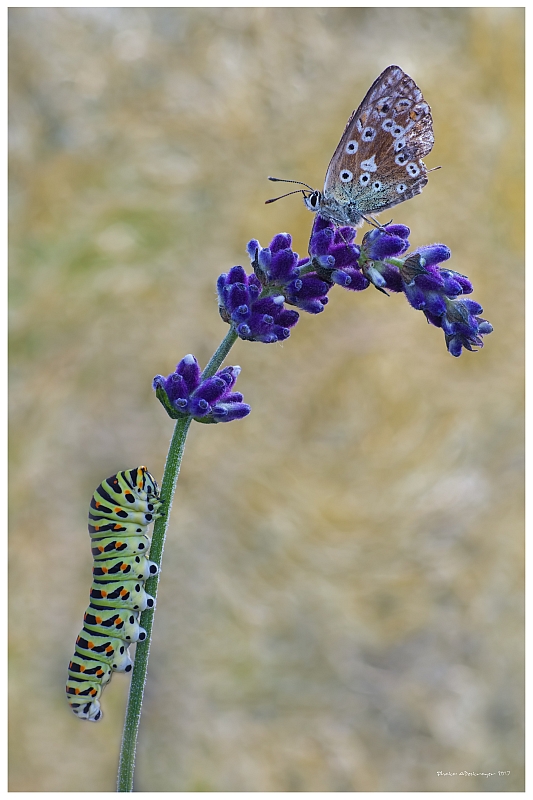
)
(220, 354)
(168, 487)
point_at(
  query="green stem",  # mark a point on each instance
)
(221, 352)
(138, 679)
(168, 487)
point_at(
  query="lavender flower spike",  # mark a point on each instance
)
(427, 285)
(277, 264)
(256, 318)
(334, 256)
(183, 393)
(279, 271)
(436, 292)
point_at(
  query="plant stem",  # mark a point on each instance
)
(168, 487)
(138, 679)
(220, 354)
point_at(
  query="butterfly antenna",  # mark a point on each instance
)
(433, 169)
(273, 199)
(286, 180)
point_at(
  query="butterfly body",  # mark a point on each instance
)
(378, 161)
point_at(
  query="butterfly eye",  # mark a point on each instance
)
(412, 169)
(352, 147)
(365, 177)
(401, 188)
(376, 186)
(369, 134)
(401, 159)
(312, 201)
(346, 176)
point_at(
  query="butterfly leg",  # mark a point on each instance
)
(374, 223)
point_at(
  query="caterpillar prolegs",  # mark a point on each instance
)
(122, 508)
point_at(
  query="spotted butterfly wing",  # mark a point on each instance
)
(378, 161)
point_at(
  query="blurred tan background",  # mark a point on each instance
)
(341, 599)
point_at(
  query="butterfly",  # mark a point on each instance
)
(378, 161)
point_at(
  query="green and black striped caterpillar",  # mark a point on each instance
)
(122, 508)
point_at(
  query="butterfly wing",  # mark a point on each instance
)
(378, 161)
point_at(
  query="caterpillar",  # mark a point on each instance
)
(121, 509)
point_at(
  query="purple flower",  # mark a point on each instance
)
(255, 304)
(334, 257)
(278, 269)
(378, 245)
(275, 265)
(381, 243)
(427, 285)
(462, 325)
(256, 319)
(183, 393)
(434, 291)
(308, 292)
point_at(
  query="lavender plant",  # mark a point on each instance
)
(255, 307)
